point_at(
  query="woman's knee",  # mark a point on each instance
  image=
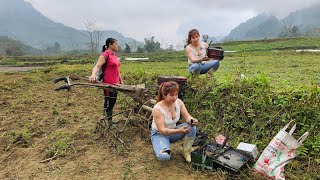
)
(195, 68)
(164, 155)
(216, 65)
(193, 131)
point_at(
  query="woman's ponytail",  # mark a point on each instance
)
(108, 42)
(104, 48)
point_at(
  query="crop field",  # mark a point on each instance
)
(250, 98)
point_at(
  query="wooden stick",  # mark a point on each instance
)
(3, 134)
(50, 159)
(116, 136)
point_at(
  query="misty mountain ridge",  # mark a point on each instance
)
(262, 25)
(20, 21)
(305, 16)
(266, 26)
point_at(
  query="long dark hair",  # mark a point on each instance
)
(109, 41)
(166, 88)
(191, 33)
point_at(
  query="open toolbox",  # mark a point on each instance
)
(212, 156)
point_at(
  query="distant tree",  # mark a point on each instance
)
(287, 25)
(127, 48)
(205, 37)
(140, 49)
(133, 46)
(316, 32)
(120, 49)
(53, 49)
(292, 32)
(13, 50)
(289, 29)
(295, 31)
(11, 47)
(151, 45)
(73, 43)
(93, 34)
(180, 46)
(170, 48)
(57, 47)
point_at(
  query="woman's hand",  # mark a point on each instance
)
(194, 121)
(184, 129)
(205, 58)
(92, 79)
(202, 59)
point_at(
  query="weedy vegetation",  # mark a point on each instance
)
(256, 91)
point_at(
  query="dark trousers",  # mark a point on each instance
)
(110, 98)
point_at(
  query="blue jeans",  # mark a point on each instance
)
(199, 68)
(161, 143)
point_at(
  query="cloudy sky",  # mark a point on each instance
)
(167, 20)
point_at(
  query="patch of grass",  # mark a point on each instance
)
(61, 122)
(26, 136)
(127, 172)
(61, 144)
(272, 44)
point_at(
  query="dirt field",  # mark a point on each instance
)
(38, 123)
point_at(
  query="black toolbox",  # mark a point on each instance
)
(213, 156)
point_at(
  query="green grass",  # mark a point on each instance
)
(258, 47)
(283, 69)
(272, 44)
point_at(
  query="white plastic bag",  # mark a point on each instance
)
(280, 151)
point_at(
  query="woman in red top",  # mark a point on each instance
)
(111, 64)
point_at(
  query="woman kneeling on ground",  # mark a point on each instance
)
(164, 130)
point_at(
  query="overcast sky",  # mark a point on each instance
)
(167, 20)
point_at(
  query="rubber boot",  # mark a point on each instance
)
(195, 76)
(108, 117)
(187, 148)
(210, 72)
(113, 122)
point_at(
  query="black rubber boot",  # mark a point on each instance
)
(108, 117)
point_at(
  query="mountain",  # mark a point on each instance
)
(303, 22)
(20, 21)
(306, 19)
(305, 16)
(259, 27)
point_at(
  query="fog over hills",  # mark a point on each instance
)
(20, 21)
(264, 25)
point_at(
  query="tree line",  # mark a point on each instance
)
(11, 47)
(94, 34)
